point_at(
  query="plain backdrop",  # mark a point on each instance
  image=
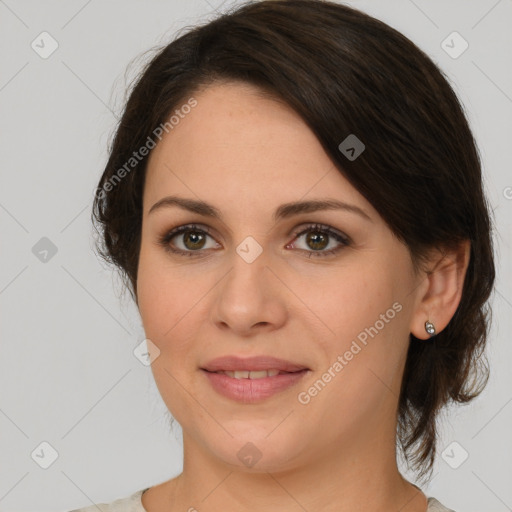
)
(71, 388)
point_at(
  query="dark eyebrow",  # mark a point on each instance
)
(289, 209)
(284, 211)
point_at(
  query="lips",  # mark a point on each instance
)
(251, 380)
(252, 390)
(252, 364)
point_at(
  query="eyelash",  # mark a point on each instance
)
(317, 228)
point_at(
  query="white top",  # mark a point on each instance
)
(133, 503)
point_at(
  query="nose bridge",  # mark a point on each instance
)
(247, 296)
(248, 272)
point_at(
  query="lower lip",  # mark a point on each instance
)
(250, 391)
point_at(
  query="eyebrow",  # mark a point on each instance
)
(284, 211)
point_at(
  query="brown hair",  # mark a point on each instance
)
(344, 73)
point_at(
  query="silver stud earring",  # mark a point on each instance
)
(429, 327)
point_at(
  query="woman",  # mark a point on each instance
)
(294, 197)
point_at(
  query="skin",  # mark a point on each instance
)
(246, 154)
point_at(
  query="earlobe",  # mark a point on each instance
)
(440, 299)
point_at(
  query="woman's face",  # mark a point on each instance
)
(338, 303)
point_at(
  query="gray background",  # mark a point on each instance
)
(67, 372)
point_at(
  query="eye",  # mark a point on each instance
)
(318, 239)
(192, 242)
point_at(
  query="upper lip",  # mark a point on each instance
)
(255, 363)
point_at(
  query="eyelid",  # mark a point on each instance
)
(169, 234)
(310, 226)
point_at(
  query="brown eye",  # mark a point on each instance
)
(317, 240)
(318, 237)
(188, 240)
(193, 240)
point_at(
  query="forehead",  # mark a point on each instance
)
(241, 120)
(238, 146)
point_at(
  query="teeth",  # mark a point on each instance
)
(244, 374)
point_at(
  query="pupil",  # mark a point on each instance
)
(194, 238)
(314, 238)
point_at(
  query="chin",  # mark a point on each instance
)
(257, 451)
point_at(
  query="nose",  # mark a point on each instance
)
(250, 299)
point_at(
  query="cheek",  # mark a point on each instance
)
(363, 322)
(161, 296)
(345, 300)
(165, 297)
(171, 307)
(361, 360)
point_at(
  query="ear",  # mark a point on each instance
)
(442, 291)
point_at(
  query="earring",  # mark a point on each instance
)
(429, 327)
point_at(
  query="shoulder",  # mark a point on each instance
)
(436, 506)
(132, 503)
